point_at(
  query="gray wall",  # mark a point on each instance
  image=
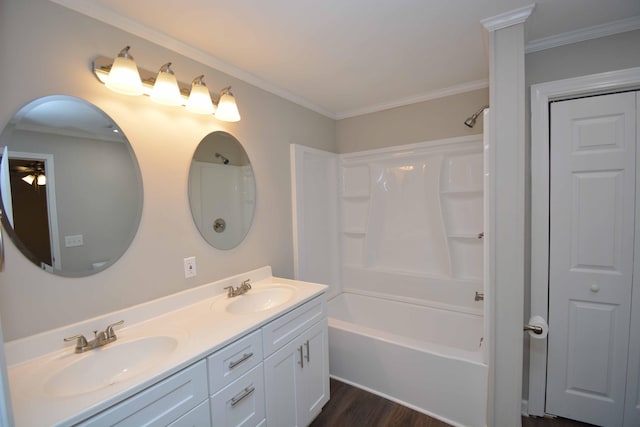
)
(611, 53)
(46, 49)
(424, 121)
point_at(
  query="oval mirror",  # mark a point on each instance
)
(222, 190)
(70, 186)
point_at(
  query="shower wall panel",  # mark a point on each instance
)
(412, 222)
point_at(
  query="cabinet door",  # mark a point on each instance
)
(313, 377)
(297, 379)
(280, 370)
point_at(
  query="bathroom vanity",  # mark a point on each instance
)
(196, 358)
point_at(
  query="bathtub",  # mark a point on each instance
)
(428, 359)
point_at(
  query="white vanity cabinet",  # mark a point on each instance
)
(296, 365)
(277, 376)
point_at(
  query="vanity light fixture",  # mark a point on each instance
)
(227, 108)
(123, 76)
(199, 98)
(163, 87)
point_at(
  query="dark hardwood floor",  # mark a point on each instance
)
(351, 407)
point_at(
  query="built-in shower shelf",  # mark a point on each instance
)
(465, 236)
(461, 193)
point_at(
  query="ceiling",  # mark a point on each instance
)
(347, 57)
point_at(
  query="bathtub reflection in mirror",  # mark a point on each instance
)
(222, 190)
(70, 184)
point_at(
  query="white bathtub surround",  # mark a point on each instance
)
(425, 358)
(405, 323)
(411, 221)
(197, 319)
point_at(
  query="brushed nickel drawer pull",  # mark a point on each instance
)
(244, 393)
(244, 358)
(308, 355)
(301, 357)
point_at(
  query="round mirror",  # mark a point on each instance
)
(70, 186)
(222, 190)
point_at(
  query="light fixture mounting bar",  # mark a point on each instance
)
(101, 66)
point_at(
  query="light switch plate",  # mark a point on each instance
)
(190, 267)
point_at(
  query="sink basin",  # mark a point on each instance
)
(260, 299)
(108, 365)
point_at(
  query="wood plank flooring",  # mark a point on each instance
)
(351, 407)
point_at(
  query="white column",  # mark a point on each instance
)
(506, 287)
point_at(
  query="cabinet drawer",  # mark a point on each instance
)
(284, 329)
(197, 417)
(160, 404)
(241, 403)
(233, 361)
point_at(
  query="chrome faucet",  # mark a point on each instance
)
(242, 289)
(101, 338)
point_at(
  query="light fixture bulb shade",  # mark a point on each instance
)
(124, 77)
(29, 179)
(227, 110)
(200, 99)
(42, 179)
(165, 89)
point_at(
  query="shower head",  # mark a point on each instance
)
(471, 121)
(223, 158)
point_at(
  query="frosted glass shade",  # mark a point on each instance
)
(124, 77)
(29, 179)
(227, 109)
(42, 179)
(165, 90)
(200, 100)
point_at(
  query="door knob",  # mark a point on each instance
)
(595, 288)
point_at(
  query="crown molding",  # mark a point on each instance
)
(615, 27)
(110, 17)
(507, 19)
(428, 96)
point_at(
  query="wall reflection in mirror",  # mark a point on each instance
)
(222, 190)
(70, 184)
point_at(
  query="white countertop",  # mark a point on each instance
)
(196, 318)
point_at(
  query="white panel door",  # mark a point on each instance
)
(632, 405)
(592, 208)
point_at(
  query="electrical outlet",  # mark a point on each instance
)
(190, 267)
(72, 241)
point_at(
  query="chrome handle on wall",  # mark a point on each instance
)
(244, 393)
(308, 356)
(301, 357)
(535, 329)
(245, 357)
